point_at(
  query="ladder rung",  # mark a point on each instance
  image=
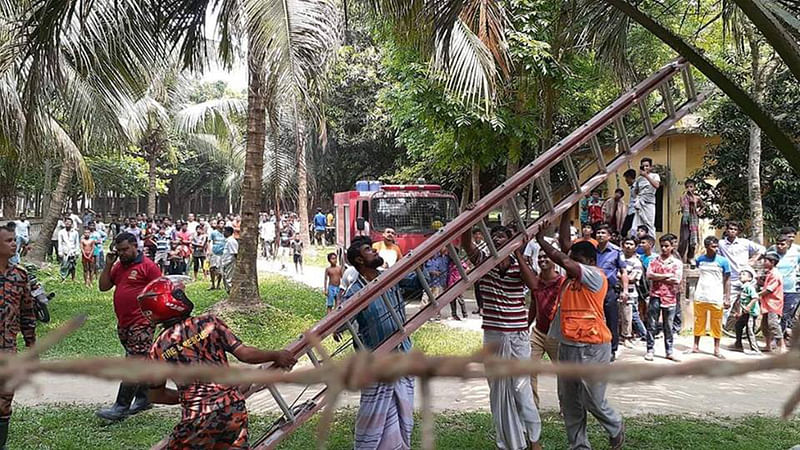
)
(667, 94)
(623, 134)
(545, 191)
(425, 286)
(688, 82)
(457, 261)
(648, 124)
(529, 205)
(281, 403)
(487, 238)
(594, 143)
(512, 205)
(393, 313)
(354, 333)
(572, 173)
(312, 357)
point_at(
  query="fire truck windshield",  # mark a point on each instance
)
(411, 214)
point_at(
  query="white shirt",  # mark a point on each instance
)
(231, 249)
(59, 227)
(266, 230)
(23, 229)
(192, 227)
(739, 253)
(645, 192)
(68, 243)
(100, 226)
(76, 221)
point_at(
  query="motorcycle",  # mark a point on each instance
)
(41, 298)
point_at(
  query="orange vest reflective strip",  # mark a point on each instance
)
(582, 317)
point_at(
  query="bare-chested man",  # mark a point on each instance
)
(333, 277)
(87, 257)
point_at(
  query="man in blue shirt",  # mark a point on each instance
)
(385, 413)
(436, 270)
(612, 261)
(319, 227)
(217, 240)
(788, 267)
(99, 237)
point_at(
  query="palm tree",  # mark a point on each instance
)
(77, 78)
(164, 115)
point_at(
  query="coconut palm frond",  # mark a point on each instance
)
(610, 40)
(70, 151)
(299, 38)
(488, 20)
(139, 116)
(12, 115)
(214, 115)
(733, 23)
(470, 72)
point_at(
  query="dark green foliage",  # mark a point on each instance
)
(727, 162)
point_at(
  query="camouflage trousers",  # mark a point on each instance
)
(224, 428)
(136, 339)
(6, 397)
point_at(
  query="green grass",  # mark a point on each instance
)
(71, 427)
(317, 256)
(293, 308)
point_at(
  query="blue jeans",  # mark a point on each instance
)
(790, 301)
(667, 314)
(638, 325)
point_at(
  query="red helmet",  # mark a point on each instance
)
(163, 299)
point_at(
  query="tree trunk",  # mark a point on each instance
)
(39, 250)
(245, 278)
(754, 184)
(48, 184)
(10, 202)
(754, 147)
(302, 174)
(151, 186)
(465, 190)
(476, 181)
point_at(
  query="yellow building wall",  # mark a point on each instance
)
(683, 154)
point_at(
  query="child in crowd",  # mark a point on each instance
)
(750, 309)
(331, 282)
(635, 270)
(436, 270)
(297, 253)
(772, 303)
(453, 277)
(665, 272)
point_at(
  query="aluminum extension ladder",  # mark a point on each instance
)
(543, 189)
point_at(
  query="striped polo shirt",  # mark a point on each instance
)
(504, 299)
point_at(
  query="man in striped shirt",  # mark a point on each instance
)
(505, 327)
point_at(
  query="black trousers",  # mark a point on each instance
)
(611, 311)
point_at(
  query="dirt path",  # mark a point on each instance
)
(755, 393)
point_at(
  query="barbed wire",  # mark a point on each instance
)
(363, 369)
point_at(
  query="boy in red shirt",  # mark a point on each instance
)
(212, 415)
(665, 272)
(772, 302)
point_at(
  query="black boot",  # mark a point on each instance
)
(141, 403)
(3, 432)
(120, 409)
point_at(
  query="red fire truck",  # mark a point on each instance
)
(414, 211)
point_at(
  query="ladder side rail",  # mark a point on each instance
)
(453, 230)
(422, 316)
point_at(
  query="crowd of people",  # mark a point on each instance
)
(574, 295)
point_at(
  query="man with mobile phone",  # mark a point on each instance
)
(129, 276)
(644, 188)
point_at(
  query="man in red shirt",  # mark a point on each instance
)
(130, 275)
(772, 302)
